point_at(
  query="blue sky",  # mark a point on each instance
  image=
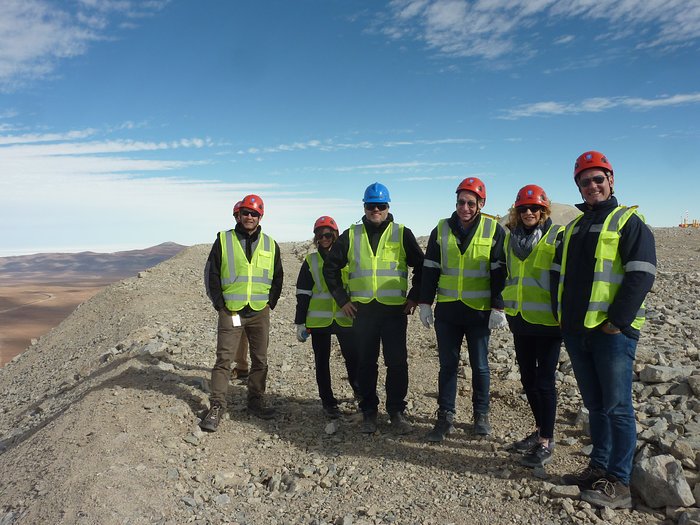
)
(124, 124)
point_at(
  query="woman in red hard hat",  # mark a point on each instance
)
(530, 245)
(318, 314)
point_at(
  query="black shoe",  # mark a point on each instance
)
(210, 422)
(608, 492)
(525, 444)
(585, 478)
(258, 408)
(538, 456)
(443, 427)
(482, 427)
(399, 423)
(332, 411)
(369, 422)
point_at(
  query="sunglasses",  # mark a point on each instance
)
(327, 235)
(598, 179)
(532, 208)
(249, 213)
(370, 206)
(470, 204)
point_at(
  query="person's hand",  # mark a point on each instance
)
(426, 315)
(302, 333)
(497, 320)
(349, 309)
(410, 307)
(609, 328)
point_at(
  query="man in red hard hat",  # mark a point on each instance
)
(244, 277)
(602, 271)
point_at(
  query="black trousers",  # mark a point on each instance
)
(385, 325)
(537, 358)
(321, 344)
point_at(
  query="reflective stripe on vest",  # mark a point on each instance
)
(382, 277)
(527, 283)
(608, 270)
(323, 309)
(242, 282)
(466, 277)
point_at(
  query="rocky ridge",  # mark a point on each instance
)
(98, 421)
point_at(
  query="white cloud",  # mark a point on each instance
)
(491, 29)
(598, 104)
(35, 35)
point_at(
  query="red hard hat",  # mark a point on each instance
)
(325, 221)
(253, 202)
(532, 194)
(474, 185)
(237, 207)
(591, 159)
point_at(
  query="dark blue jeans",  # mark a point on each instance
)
(602, 365)
(449, 339)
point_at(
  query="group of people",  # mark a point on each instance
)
(583, 283)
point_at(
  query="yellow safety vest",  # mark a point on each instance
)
(246, 283)
(323, 309)
(382, 277)
(608, 272)
(527, 284)
(466, 276)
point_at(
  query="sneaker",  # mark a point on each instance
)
(585, 478)
(369, 422)
(526, 444)
(608, 492)
(237, 373)
(332, 411)
(210, 422)
(538, 456)
(443, 427)
(482, 427)
(400, 424)
(258, 408)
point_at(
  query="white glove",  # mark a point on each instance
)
(497, 320)
(302, 334)
(426, 315)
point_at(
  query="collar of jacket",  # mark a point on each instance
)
(599, 206)
(456, 225)
(243, 233)
(371, 228)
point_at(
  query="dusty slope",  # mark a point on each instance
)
(98, 423)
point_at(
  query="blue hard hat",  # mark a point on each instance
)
(376, 192)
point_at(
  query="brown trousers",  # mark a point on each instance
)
(240, 358)
(257, 330)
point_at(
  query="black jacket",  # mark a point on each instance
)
(337, 259)
(637, 245)
(457, 312)
(212, 271)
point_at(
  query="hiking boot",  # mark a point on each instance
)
(332, 411)
(585, 478)
(369, 422)
(443, 427)
(608, 492)
(210, 422)
(399, 423)
(258, 408)
(237, 373)
(482, 427)
(526, 444)
(538, 456)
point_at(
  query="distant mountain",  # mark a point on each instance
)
(62, 267)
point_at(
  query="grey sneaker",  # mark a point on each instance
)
(608, 492)
(331, 411)
(584, 478)
(210, 422)
(525, 444)
(400, 424)
(482, 427)
(538, 456)
(259, 408)
(369, 422)
(443, 427)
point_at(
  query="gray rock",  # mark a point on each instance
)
(565, 491)
(663, 374)
(660, 482)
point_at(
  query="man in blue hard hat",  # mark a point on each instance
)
(378, 252)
